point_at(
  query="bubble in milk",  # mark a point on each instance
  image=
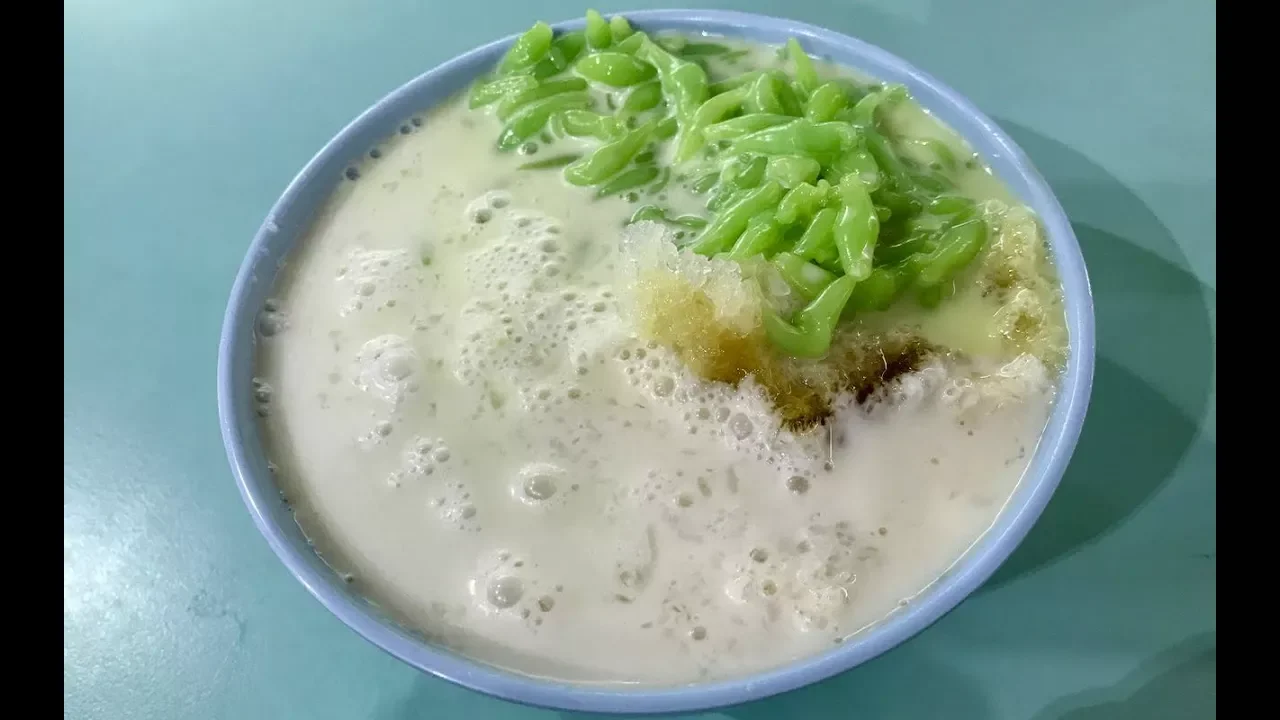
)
(539, 487)
(272, 323)
(454, 504)
(664, 386)
(377, 279)
(504, 592)
(497, 199)
(262, 391)
(384, 365)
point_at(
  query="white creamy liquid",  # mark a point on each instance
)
(466, 426)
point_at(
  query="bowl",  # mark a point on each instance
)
(289, 220)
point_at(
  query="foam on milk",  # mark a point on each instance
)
(466, 425)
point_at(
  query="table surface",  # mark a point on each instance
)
(185, 119)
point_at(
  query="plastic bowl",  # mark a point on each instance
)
(293, 213)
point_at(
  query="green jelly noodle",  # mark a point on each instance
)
(789, 161)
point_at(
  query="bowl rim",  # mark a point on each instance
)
(1049, 462)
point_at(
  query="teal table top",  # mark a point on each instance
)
(185, 119)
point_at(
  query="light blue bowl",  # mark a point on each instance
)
(292, 214)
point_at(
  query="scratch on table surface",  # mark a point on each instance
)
(203, 605)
